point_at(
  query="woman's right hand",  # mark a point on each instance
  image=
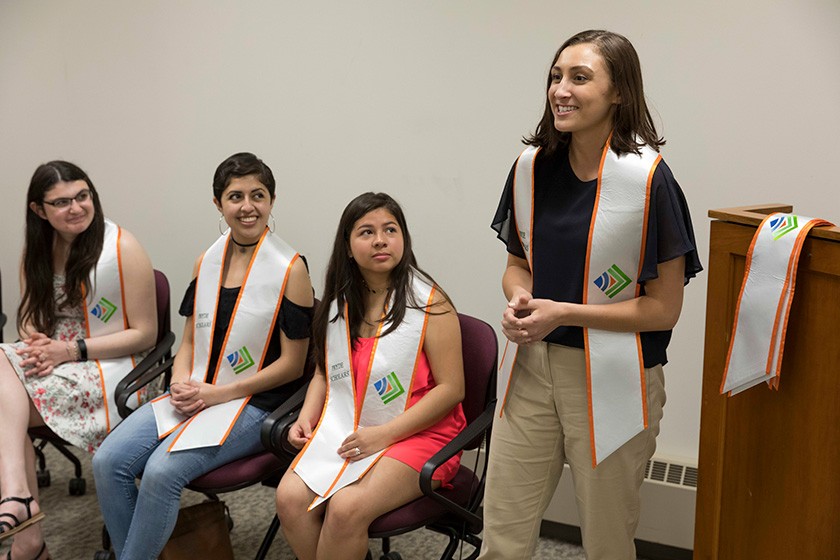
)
(300, 433)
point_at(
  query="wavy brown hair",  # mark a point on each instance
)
(344, 282)
(632, 124)
(38, 304)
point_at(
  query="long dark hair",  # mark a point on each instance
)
(631, 121)
(344, 282)
(38, 304)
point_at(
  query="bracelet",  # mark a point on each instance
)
(71, 354)
(80, 344)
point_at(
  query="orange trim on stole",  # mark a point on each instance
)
(791, 266)
(738, 305)
(585, 298)
(797, 250)
(235, 305)
(510, 377)
(642, 250)
(326, 395)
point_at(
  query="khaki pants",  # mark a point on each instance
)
(546, 422)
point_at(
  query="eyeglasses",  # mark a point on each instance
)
(64, 203)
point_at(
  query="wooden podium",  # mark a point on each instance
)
(769, 466)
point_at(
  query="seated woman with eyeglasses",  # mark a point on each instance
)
(87, 306)
(249, 313)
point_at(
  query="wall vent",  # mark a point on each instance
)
(666, 471)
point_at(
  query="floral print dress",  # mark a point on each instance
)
(67, 397)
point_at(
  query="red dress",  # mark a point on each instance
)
(415, 450)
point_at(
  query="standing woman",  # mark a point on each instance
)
(87, 305)
(600, 246)
(390, 341)
(242, 354)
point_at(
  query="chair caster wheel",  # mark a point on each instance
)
(78, 486)
(43, 478)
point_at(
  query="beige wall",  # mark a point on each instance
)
(424, 100)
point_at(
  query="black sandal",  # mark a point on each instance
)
(9, 529)
(37, 556)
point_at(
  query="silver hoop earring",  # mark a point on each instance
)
(273, 225)
(221, 231)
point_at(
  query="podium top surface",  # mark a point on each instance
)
(753, 215)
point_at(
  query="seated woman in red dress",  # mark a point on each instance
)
(386, 393)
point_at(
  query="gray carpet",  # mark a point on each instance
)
(73, 526)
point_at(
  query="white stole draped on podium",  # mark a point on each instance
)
(615, 251)
(761, 314)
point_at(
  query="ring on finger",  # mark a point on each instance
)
(358, 451)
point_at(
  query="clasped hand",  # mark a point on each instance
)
(191, 397)
(41, 354)
(528, 320)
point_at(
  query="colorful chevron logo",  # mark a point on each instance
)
(389, 388)
(782, 224)
(240, 360)
(103, 310)
(612, 281)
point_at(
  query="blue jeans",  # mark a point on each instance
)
(140, 520)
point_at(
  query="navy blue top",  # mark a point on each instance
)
(563, 206)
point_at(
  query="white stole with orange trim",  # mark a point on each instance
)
(761, 314)
(389, 380)
(104, 315)
(248, 336)
(615, 368)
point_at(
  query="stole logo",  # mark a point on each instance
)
(103, 310)
(389, 388)
(785, 223)
(612, 281)
(240, 360)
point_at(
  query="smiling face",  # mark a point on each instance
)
(68, 207)
(581, 93)
(246, 205)
(376, 244)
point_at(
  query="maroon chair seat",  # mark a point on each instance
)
(424, 510)
(239, 474)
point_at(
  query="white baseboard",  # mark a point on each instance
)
(668, 494)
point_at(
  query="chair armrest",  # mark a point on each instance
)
(477, 427)
(276, 425)
(156, 363)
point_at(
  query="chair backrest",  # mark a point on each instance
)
(162, 298)
(480, 349)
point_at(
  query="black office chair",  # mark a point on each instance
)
(453, 512)
(161, 353)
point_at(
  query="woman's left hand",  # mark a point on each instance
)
(364, 442)
(41, 354)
